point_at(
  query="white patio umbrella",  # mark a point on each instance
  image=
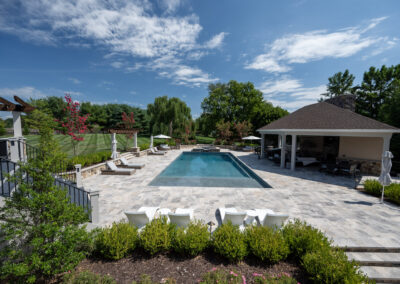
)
(251, 138)
(161, 136)
(386, 166)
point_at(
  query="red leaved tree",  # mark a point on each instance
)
(242, 128)
(74, 123)
(129, 123)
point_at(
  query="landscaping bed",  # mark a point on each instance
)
(185, 270)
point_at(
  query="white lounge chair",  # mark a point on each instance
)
(232, 215)
(114, 170)
(154, 151)
(164, 147)
(181, 217)
(141, 217)
(275, 220)
(260, 214)
(125, 163)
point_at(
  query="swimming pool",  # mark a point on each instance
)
(208, 170)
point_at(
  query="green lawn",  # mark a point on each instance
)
(99, 142)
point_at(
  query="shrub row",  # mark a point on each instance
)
(88, 159)
(307, 245)
(392, 192)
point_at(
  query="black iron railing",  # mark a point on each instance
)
(76, 195)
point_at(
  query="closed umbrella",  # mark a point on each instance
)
(386, 166)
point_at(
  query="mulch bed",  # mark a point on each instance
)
(183, 270)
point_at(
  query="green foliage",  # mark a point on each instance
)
(169, 116)
(87, 277)
(117, 241)
(340, 84)
(222, 277)
(2, 127)
(156, 236)
(330, 265)
(267, 244)
(192, 240)
(236, 102)
(144, 146)
(282, 278)
(43, 229)
(373, 187)
(230, 242)
(303, 238)
(205, 140)
(146, 279)
(88, 159)
(392, 192)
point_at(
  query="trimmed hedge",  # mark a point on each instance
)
(156, 236)
(392, 192)
(191, 241)
(88, 159)
(230, 242)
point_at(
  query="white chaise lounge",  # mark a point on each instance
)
(181, 217)
(114, 170)
(125, 163)
(154, 151)
(141, 217)
(232, 215)
(273, 220)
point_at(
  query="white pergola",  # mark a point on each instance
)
(385, 134)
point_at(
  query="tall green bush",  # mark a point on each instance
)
(43, 229)
(230, 242)
(330, 265)
(192, 240)
(156, 236)
(267, 244)
(117, 241)
(303, 238)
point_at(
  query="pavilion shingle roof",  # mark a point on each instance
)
(326, 116)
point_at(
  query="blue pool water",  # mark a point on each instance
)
(208, 170)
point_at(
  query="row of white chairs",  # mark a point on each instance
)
(182, 217)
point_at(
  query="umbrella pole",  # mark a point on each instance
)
(383, 193)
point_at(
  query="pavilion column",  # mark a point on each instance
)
(293, 156)
(114, 154)
(279, 141)
(262, 145)
(283, 150)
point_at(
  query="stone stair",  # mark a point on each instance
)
(381, 264)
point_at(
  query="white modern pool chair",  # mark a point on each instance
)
(181, 217)
(260, 214)
(153, 151)
(275, 220)
(232, 215)
(125, 163)
(141, 217)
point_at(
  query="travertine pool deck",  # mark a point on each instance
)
(330, 203)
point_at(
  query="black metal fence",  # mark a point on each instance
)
(76, 195)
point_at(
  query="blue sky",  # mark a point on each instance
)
(133, 51)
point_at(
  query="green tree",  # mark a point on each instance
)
(169, 115)
(340, 84)
(377, 88)
(43, 230)
(235, 102)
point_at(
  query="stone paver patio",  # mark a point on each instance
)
(330, 203)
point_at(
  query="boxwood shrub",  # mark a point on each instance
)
(330, 265)
(392, 192)
(156, 236)
(303, 238)
(192, 240)
(117, 241)
(230, 242)
(373, 187)
(267, 244)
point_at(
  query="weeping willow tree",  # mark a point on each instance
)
(169, 116)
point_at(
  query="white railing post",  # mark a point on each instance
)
(78, 175)
(94, 204)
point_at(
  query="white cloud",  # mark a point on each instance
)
(316, 45)
(116, 64)
(170, 5)
(26, 93)
(124, 28)
(74, 80)
(216, 41)
(290, 93)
